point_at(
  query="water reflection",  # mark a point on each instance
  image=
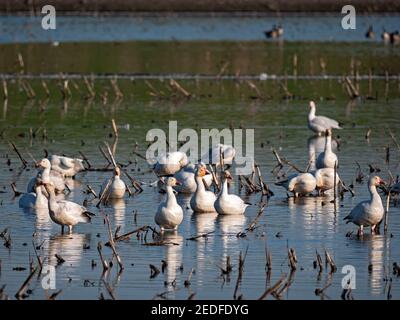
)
(230, 226)
(316, 145)
(119, 207)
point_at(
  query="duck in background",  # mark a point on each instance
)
(68, 167)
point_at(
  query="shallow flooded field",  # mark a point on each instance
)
(276, 109)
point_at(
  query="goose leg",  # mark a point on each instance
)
(69, 229)
(373, 228)
(360, 231)
(176, 228)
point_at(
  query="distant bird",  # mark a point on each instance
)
(327, 158)
(46, 175)
(395, 37)
(299, 184)
(320, 124)
(370, 33)
(325, 179)
(385, 36)
(202, 201)
(368, 212)
(117, 187)
(169, 213)
(66, 213)
(229, 203)
(275, 32)
(68, 167)
(170, 163)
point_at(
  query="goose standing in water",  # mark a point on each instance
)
(68, 167)
(170, 163)
(46, 176)
(299, 184)
(328, 158)
(186, 177)
(368, 212)
(229, 203)
(169, 213)
(203, 200)
(320, 124)
(325, 179)
(66, 213)
(117, 188)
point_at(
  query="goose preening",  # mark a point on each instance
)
(117, 187)
(170, 163)
(368, 212)
(169, 213)
(203, 200)
(370, 33)
(186, 177)
(66, 213)
(68, 167)
(320, 124)
(299, 184)
(213, 156)
(327, 158)
(325, 179)
(35, 199)
(46, 175)
(229, 203)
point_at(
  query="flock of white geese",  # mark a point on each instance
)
(177, 175)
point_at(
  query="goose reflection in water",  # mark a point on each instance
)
(68, 246)
(119, 207)
(173, 254)
(316, 145)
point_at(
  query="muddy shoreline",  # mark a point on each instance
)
(206, 6)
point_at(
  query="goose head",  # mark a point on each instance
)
(312, 105)
(201, 171)
(171, 181)
(227, 175)
(376, 181)
(117, 171)
(44, 163)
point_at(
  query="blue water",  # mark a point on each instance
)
(21, 29)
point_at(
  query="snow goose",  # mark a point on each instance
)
(68, 167)
(299, 184)
(117, 188)
(327, 158)
(169, 213)
(186, 177)
(213, 155)
(320, 124)
(66, 213)
(46, 176)
(368, 212)
(325, 179)
(170, 163)
(229, 203)
(203, 200)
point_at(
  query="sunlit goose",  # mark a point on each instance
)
(169, 213)
(117, 188)
(328, 158)
(170, 163)
(320, 124)
(46, 176)
(299, 184)
(203, 200)
(186, 177)
(325, 179)
(66, 213)
(368, 212)
(35, 199)
(66, 166)
(229, 203)
(213, 155)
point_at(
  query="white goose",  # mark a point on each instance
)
(170, 163)
(186, 177)
(203, 200)
(320, 124)
(299, 184)
(117, 187)
(68, 167)
(229, 203)
(66, 213)
(328, 158)
(169, 213)
(368, 212)
(35, 199)
(213, 155)
(326, 179)
(46, 176)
